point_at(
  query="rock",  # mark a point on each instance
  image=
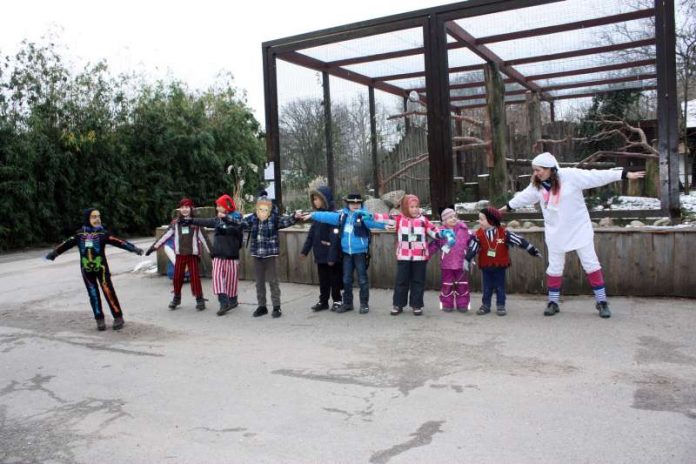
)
(482, 204)
(393, 198)
(527, 225)
(606, 222)
(663, 222)
(636, 224)
(594, 225)
(375, 205)
(514, 224)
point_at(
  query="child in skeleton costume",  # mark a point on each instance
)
(491, 243)
(567, 225)
(454, 290)
(91, 241)
(263, 226)
(225, 254)
(322, 240)
(189, 242)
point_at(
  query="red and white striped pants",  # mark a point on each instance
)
(225, 276)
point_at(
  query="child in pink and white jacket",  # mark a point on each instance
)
(454, 291)
(412, 229)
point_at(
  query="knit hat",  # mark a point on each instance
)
(447, 213)
(263, 199)
(407, 201)
(226, 201)
(545, 160)
(353, 198)
(186, 202)
(493, 216)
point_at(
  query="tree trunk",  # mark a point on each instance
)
(495, 104)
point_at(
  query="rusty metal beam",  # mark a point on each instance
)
(615, 80)
(600, 92)
(582, 52)
(595, 69)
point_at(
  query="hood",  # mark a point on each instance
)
(323, 192)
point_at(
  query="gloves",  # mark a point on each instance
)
(138, 251)
(236, 215)
(51, 256)
(150, 250)
(534, 251)
(467, 265)
(448, 235)
(364, 216)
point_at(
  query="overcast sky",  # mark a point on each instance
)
(192, 41)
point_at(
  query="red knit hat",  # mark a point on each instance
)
(493, 216)
(186, 202)
(226, 201)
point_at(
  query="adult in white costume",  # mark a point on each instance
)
(567, 225)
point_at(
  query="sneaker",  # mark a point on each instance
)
(483, 310)
(200, 304)
(101, 325)
(603, 309)
(320, 307)
(551, 309)
(364, 309)
(176, 301)
(118, 323)
(396, 310)
(260, 311)
(276, 312)
(417, 311)
(336, 305)
(500, 311)
(345, 307)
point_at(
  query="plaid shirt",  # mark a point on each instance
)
(264, 234)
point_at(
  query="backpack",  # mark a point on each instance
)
(342, 223)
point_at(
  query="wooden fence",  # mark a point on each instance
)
(636, 261)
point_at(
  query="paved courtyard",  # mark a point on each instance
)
(191, 387)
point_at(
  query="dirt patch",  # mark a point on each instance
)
(656, 392)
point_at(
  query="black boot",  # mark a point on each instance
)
(276, 312)
(260, 311)
(320, 307)
(603, 309)
(118, 323)
(551, 309)
(200, 303)
(101, 325)
(176, 301)
(224, 304)
(233, 303)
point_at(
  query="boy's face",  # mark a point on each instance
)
(220, 209)
(95, 218)
(413, 209)
(316, 202)
(353, 206)
(185, 211)
(451, 221)
(483, 222)
(263, 211)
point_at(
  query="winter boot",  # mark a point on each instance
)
(483, 310)
(276, 312)
(260, 311)
(176, 301)
(364, 308)
(233, 302)
(500, 311)
(101, 325)
(551, 309)
(603, 309)
(118, 323)
(224, 304)
(320, 307)
(200, 303)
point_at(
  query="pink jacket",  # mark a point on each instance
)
(411, 242)
(454, 259)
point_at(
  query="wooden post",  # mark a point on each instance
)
(373, 141)
(495, 103)
(667, 128)
(459, 155)
(328, 133)
(533, 122)
(270, 90)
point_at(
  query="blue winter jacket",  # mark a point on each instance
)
(355, 237)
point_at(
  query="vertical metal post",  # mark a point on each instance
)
(552, 107)
(407, 119)
(328, 132)
(667, 107)
(439, 130)
(533, 121)
(270, 88)
(373, 141)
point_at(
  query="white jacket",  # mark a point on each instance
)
(567, 227)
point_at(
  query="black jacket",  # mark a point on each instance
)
(228, 237)
(323, 239)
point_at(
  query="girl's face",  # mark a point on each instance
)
(220, 209)
(451, 221)
(95, 218)
(541, 173)
(353, 206)
(263, 211)
(316, 202)
(413, 209)
(185, 211)
(483, 222)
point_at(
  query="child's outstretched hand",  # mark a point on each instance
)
(51, 256)
(306, 217)
(534, 251)
(467, 265)
(364, 215)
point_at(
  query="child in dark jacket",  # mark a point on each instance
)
(491, 243)
(322, 241)
(91, 240)
(226, 244)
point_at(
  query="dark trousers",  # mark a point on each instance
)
(94, 280)
(330, 282)
(358, 263)
(494, 280)
(410, 280)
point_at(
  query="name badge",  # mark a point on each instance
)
(491, 253)
(89, 243)
(348, 228)
(413, 238)
(185, 230)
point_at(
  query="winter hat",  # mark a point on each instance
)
(493, 216)
(353, 198)
(447, 213)
(186, 202)
(324, 194)
(545, 160)
(226, 201)
(407, 201)
(263, 199)
(85, 216)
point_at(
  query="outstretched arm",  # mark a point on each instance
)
(514, 239)
(526, 197)
(123, 244)
(63, 247)
(593, 178)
